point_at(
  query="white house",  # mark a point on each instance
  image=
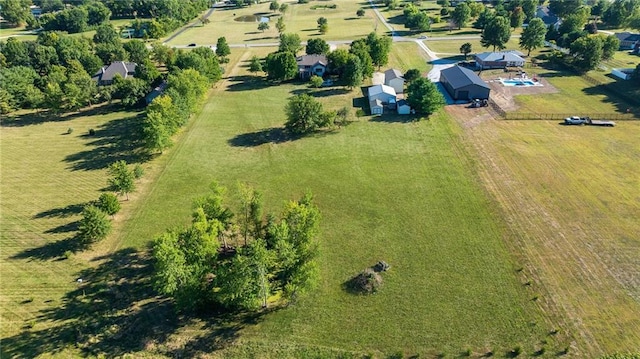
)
(393, 78)
(379, 96)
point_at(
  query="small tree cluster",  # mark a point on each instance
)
(278, 257)
(424, 97)
(305, 115)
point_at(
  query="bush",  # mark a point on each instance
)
(366, 282)
(69, 131)
(138, 171)
(360, 113)
(67, 254)
(108, 203)
(92, 132)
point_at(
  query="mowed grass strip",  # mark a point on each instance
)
(388, 190)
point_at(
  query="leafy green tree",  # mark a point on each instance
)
(516, 18)
(379, 48)
(483, 19)
(281, 66)
(337, 61)
(412, 75)
(18, 82)
(478, 7)
(131, 91)
(465, 49)
(361, 49)
(424, 97)
(303, 114)
(529, 7)
(262, 26)
(186, 87)
(251, 208)
(297, 250)
(610, 44)
(202, 59)
(317, 46)
(42, 58)
(147, 72)
(290, 43)
(496, 33)
(98, 13)
(461, 15)
(586, 53)
(274, 6)
(121, 178)
(51, 5)
(15, 11)
(161, 53)
(94, 225)
(15, 52)
(280, 25)
(184, 262)
(156, 131)
(533, 35)
(222, 48)
(353, 72)
(137, 51)
(283, 8)
(598, 9)
(315, 81)
(255, 64)
(108, 203)
(562, 8)
(360, 13)
(75, 19)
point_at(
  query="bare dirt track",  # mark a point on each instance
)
(569, 199)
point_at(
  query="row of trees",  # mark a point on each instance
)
(199, 269)
(73, 20)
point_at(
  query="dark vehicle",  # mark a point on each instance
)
(479, 103)
(192, 45)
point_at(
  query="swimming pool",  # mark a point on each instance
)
(519, 82)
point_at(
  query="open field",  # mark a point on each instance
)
(388, 189)
(407, 55)
(299, 18)
(570, 195)
(452, 46)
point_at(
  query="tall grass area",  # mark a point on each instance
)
(403, 192)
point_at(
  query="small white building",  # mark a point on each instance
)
(393, 78)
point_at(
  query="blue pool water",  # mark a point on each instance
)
(518, 83)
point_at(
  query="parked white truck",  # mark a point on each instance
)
(577, 120)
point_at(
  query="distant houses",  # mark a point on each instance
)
(629, 41)
(548, 17)
(106, 74)
(309, 65)
(498, 60)
(463, 84)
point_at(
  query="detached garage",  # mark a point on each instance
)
(464, 84)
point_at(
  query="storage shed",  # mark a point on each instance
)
(464, 84)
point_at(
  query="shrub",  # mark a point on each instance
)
(67, 254)
(138, 171)
(366, 282)
(69, 130)
(360, 112)
(94, 225)
(92, 132)
(108, 203)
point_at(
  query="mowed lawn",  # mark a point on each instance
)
(403, 192)
(299, 18)
(47, 176)
(570, 194)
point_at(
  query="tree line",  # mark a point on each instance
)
(238, 260)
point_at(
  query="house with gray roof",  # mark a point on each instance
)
(498, 60)
(548, 17)
(628, 41)
(379, 97)
(106, 74)
(463, 84)
(309, 65)
(393, 78)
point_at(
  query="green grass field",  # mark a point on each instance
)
(299, 18)
(388, 189)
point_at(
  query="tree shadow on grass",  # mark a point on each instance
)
(321, 92)
(40, 117)
(115, 311)
(268, 135)
(619, 96)
(53, 250)
(119, 139)
(247, 83)
(62, 212)
(395, 118)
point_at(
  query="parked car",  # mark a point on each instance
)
(192, 45)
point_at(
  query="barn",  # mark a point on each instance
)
(464, 84)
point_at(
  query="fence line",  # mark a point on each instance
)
(562, 116)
